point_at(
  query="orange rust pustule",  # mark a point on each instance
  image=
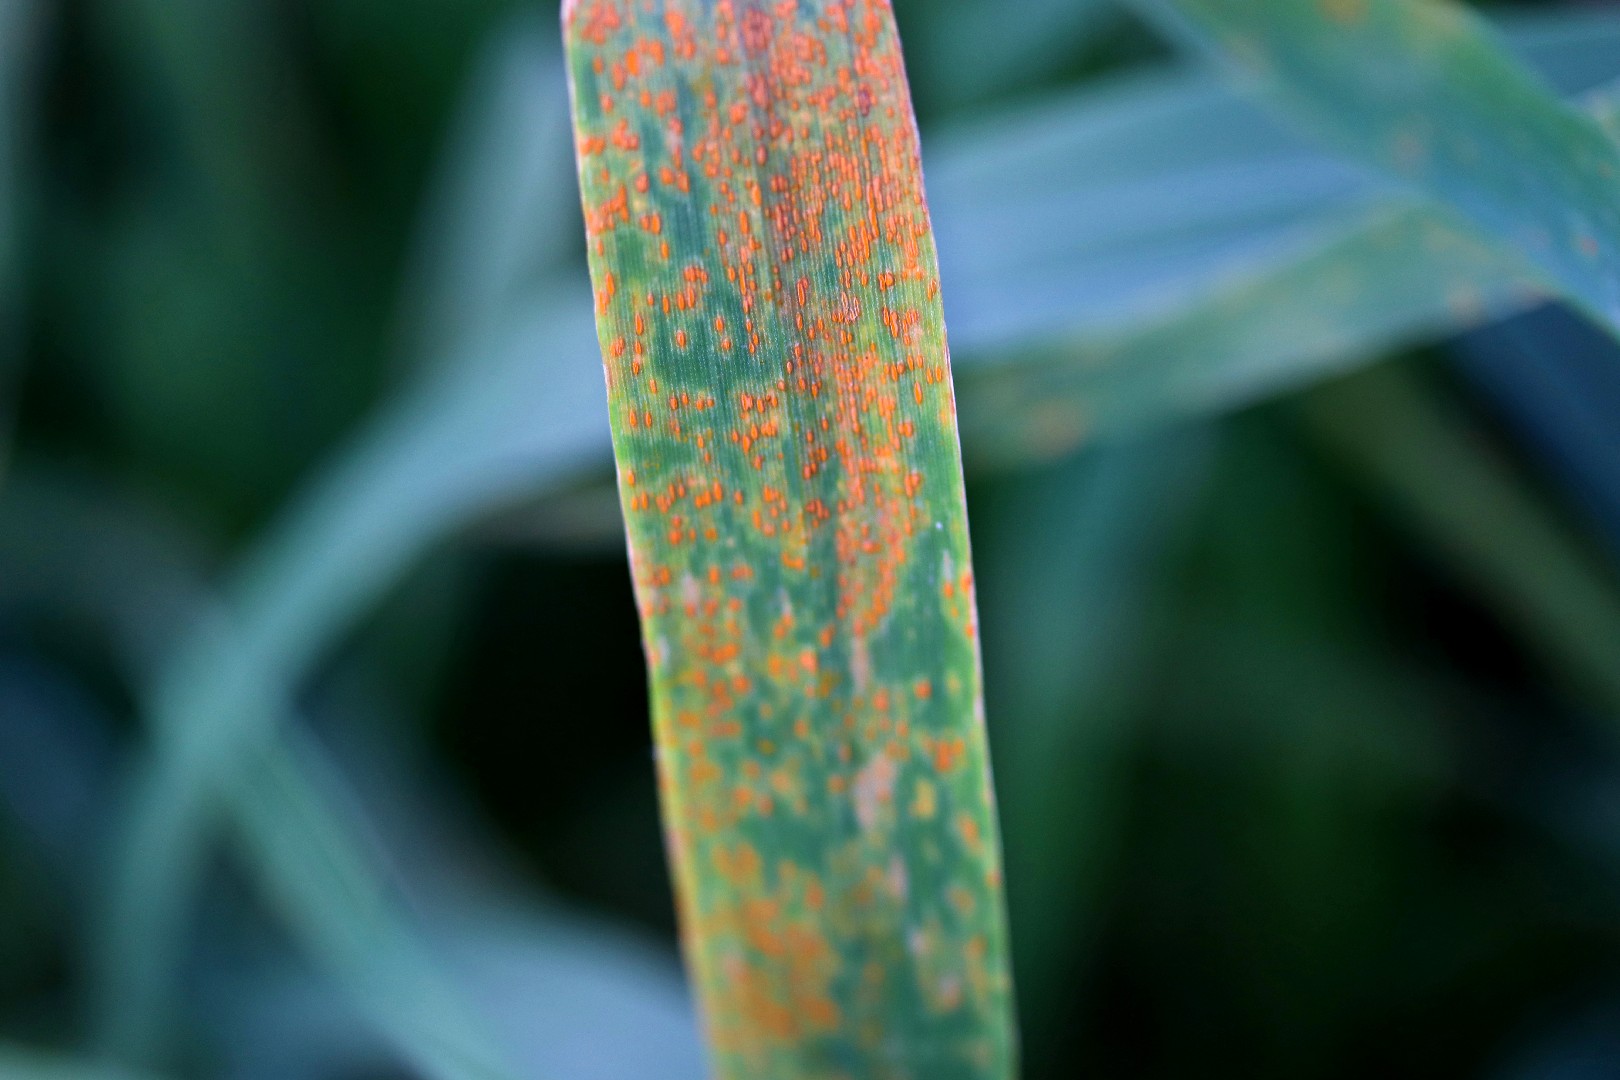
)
(779, 384)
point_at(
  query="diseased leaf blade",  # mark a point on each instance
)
(1089, 297)
(780, 395)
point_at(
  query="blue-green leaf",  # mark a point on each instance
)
(472, 438)
(1428, 94)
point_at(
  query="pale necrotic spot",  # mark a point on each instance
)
(1345, 12)
(860, 665)
(874, 790)
(848, 309)
(899, 882)
(757, 31)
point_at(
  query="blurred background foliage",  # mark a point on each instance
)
(323, 736)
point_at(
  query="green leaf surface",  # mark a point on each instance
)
(1148, 311)
(971, 49)
(779, 389)
(1107, 207)
(336, 898)
(18, 1063)
(1397, 278)
(1427, 93)
(500, 213)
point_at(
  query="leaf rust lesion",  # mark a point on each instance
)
(779, 384)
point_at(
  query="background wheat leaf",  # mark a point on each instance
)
(339, 902)
(467, 441)
(1556, 377)
(20, 31)
(1428, 94)
(1125, 320)
(22, 1064)
(340, 905)
(1399, 278)
(1087, 213)
(969, 49)
(1448, 485)
(367, 917)
(500, 215)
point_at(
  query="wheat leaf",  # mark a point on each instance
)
(1157, 247)
(1390, 278)
(970, 49)
(19, 30)
(324, 882)
(499, 211)
(1428, 94)
(1137, 312)
(130, 580)
(478, 435)
(1088, 212)
(1463, 499)
(779, 389)
(18, 1063)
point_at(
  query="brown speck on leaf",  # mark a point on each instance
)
(1345, 12)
